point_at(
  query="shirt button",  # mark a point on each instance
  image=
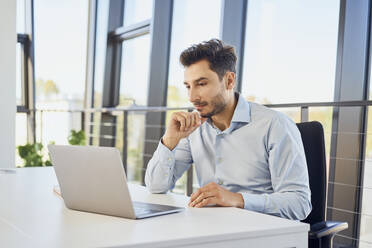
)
(166, 174)
(169, 159)
(220, 160)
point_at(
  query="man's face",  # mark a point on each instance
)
(206, 92)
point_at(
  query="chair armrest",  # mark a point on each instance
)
(326, 228)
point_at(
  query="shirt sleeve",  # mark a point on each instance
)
(166, 166)
(291, 197)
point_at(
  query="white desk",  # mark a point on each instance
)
(31, 215)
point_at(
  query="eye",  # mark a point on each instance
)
(202, 83)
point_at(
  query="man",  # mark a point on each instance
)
(245, 155)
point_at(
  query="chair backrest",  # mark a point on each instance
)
(312, 135)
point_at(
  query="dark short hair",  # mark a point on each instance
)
(221, 57)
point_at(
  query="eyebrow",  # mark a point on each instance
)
(196, 80)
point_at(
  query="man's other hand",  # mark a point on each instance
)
(214, 194)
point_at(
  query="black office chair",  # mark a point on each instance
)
(321, 232)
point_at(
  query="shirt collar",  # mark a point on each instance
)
(242, 112)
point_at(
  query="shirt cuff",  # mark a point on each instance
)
(166, 156)
(254, 202)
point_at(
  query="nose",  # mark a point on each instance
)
(193, 94)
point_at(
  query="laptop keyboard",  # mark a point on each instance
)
(147, 208)
(143, 211)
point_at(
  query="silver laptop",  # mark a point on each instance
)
(92, 179)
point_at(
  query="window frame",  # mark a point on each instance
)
(28, 72)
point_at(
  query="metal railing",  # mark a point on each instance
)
(124, 111)
(86, 123)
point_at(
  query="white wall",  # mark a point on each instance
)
(8, 39)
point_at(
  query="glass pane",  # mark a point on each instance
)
(100, 56)
(19, 68)
(181, 185)
(94, 129)
(119, 141)
(55, 126)
(293, 113)
(136, 131)
(290, 56)
(21, 16)
(135, 149)
(134, 71)
(60, 52)
(365, 231)
(366, 221)
(190, 25)
(137, 11)
(324, 116)
(21, 135)
(368, 153)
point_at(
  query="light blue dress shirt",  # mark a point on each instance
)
(260, 155)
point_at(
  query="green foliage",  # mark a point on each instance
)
(48, 163)
(76, 138)
(32, 155)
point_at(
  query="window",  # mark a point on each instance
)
(133, 92)
(60, 62)
(100, 51)
(99, 68)
(366, 218)
(60, 50)
(134, 83)
(324, 116)
(135, 146)
(136, 11)
(190, 25)
(134, 71)
(290, 56)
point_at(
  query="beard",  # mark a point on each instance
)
(218, 104)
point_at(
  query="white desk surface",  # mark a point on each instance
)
(31, 215)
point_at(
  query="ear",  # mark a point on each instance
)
(230, 80)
